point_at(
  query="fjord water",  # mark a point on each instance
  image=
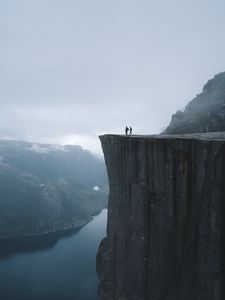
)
(54, 267)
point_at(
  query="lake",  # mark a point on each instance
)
(55, 267)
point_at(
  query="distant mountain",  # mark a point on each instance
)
(46, 188)
(205, 113)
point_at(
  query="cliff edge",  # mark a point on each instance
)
(165, 233)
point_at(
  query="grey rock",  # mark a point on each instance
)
(166, 218)
(205, 113)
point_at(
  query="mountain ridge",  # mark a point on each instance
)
(45, 188)
(205, 113)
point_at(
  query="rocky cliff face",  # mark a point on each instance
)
(205, 113)
(166, 225)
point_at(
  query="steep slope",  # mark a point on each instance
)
(166, 216)
(205, 113)
(45, 188)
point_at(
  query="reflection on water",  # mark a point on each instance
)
(54, 267)
(9, 247)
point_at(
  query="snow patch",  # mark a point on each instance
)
(58, 148)
(47, 149)
(96, 188)
(39, 149)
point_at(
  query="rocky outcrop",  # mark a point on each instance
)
(47, 188)
(166, 218)
(205, 113)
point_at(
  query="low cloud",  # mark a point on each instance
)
(72, 70)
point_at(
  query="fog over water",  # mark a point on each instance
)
(71, 70)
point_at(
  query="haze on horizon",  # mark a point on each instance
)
(71, 70)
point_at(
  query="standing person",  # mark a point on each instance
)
(126, 130)
(131, 130)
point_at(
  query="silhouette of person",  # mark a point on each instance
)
(131, 130)
(126, 130)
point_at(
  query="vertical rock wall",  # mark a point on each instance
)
(165, 232)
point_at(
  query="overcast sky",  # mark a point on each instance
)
(73, 69)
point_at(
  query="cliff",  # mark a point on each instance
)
(165, 233)
(205, 113)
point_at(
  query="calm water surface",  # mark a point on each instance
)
(55, 267)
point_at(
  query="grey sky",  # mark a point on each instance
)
(70, 70)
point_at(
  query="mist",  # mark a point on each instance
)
(72, 70)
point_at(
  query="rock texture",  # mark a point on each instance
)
(205, 113)
(166, 218)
